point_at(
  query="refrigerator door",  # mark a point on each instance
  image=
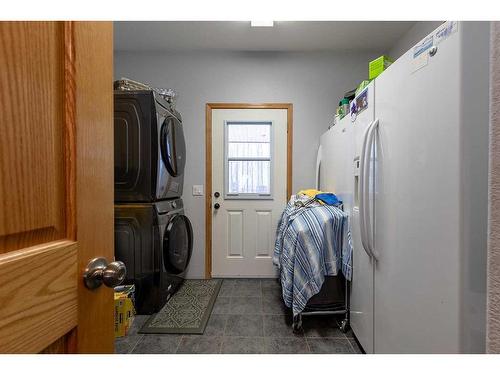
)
(363, 265)
(336, 153)
(419, 216)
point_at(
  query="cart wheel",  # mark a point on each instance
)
(344, 326)
(297, 323)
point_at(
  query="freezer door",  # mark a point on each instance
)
(363, 265)
(419, 206)
(327, 173)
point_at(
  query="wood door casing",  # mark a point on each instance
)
(56, 151)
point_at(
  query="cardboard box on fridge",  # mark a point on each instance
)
(124, 309)
(377, 66)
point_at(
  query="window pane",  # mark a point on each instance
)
(260, 132)
(249, 177)
(250, 140)
(249, 150)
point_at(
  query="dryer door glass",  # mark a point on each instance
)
(177, 244)
(173, 146)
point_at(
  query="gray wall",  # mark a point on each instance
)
(412, 37)
(313, 81)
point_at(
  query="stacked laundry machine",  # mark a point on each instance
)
(153, 237)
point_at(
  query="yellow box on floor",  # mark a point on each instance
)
(124, 309)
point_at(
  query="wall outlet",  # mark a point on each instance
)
(197, 190)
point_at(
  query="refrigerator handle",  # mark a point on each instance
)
(366, 192)
(318, 165)
(361, 192)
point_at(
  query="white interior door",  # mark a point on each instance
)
(249, 164)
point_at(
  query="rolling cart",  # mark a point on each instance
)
(333, 299)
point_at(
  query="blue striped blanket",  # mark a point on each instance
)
(312, 241)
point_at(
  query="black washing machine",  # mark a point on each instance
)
(150, 149)
(155, 241)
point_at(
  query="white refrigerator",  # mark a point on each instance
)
(412, 165)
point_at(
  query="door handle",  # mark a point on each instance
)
(361, 192)
(366, 216)
(99, 271)
(217, 206)
(369, 230)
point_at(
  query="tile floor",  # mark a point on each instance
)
(248, 317)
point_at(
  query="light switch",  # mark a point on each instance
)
(197, 190)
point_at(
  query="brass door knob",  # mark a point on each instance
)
(99, 271)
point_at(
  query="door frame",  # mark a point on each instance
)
(208, 163)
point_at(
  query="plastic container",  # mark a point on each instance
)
(344, 105)
(340, 112)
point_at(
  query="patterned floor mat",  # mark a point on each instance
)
(187, 311)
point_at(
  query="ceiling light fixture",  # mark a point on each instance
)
(261, 23)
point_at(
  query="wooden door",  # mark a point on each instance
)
(56, 185)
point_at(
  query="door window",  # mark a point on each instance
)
(248, 160)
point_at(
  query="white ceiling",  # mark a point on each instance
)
(239, 36)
